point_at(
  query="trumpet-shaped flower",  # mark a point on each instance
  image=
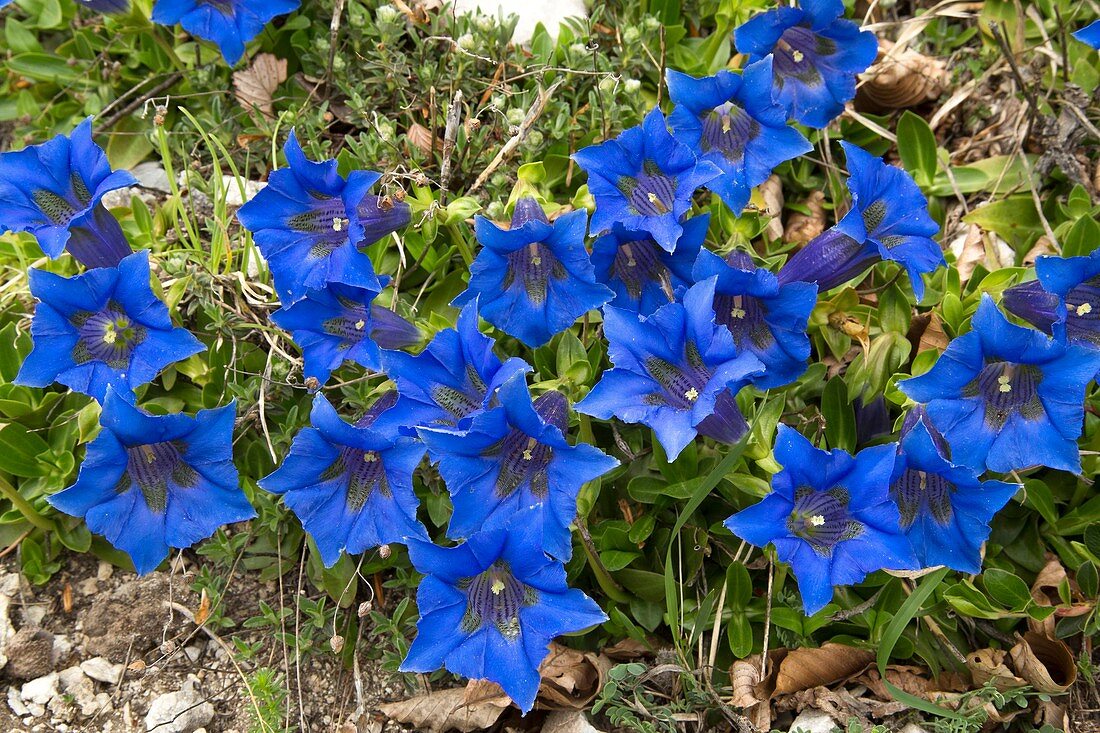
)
(1064, 301)
(454, 378)
(514, 456)
(310, 223)
(350, 485)
(1006, 397)
(104, 327)
(1090, 34)
(829, 516)
(643, 275)
(643, 180)
(888, 221)
(675, 371)
(230, 24)
(54, 191)
(490, 607)
(730, 120)
(816, 56)
(331, 326)
(150, 482)
(391, 331)
(945, 510)
(765, 318)
(535, 279)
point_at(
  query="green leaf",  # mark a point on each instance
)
(738, 586)
(917, 147)
(739, 634)
(1092, 539)
(20, 451)
(1082, 238)
(840, 418)
(1007, 589)
(1014, 218)
(1040, 497)
(1088, 580)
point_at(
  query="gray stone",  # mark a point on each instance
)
(16, 703)
(62, 647)
(102, 670)
(813, 721)
(551, 13)
(151, 175)
(183, 711)
(30, 654)
(40, 691)
(82, 690)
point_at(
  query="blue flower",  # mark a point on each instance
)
(53, 191)
(105, 6)
(643, 275)
(350, 485)
(1064, 301)
(1090, 34)
(765, 318)
(331, 326)
(454, 378)
(888, 221)
(391, 331)
(228, 23)
(150, 482)
(675, 371)
(945, 510)
(310, 223)
(643, 180)
(534, 279)
(104, 327)
(731, 121)
(829, 516)
(816, 55)
(515, 456)
(1007, 397)
(490, 607)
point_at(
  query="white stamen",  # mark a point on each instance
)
(817, 520)
(692, 394)
(497, 586)
(338, 224)
(1004, 380)
(1084, 309)
(360, 324)
(369, 456)
(737, 313)
(110, 336)
(798, 56)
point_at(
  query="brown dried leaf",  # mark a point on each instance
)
(900, 79)
(256, 85)
(442, 710)
(1046, 663)
(419, 137)
(478, 692)
(933, 336)
(971, 254)
(628, 650)
(806, 668)
(801, 228)
(771, 191)
(907, 678)
(988, 665)
(1042, 247)
(571, 679)
(203, 611)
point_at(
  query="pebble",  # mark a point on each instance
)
(183, 711)
(34, 614)
(40, 691)
(193, 653)
(16, 703)
(82, 690)
(104, 570)
(102, 670)
(62, 646)
(88, 587)
(30, 653)
(813, 721)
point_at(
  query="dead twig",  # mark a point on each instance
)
(521, 133)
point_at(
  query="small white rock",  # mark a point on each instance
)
(193, 653)
(102, 670)
(16, 703)
(104, 571)
(233, 190)
(88, 587)
(184, 711)
(33, 614)
(61, 648)
(813, 721)
(40, 691)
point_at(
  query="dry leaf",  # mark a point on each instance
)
(750, 692)
(203, 611)
(807, 668)
(628, 650)
(442, 710)
(771, 191)
(419, 137)
(933, 336)
(988, 665)
(971, 252)
(1042, 247)
(801, 228)
(571, 679)
(1046, 664)
(256, 85)
(899, 79)
(478, 692)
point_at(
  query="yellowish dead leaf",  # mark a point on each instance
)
(441, 711)
(1046, 664)
(801, 228)
(810, 667)
(255, 86)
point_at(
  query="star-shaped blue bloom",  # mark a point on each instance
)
(310, 223)
(1007, 397)
(816, 56)
(454, 378)
(945, 510)
(730, 120)
(514, 456)
(230, 24)
(643, 275)
(490, 607)
(888, 221)
(643, 180)
(104, 327)
(350, 485)
(1065, 299)
(676, 371)
(331, 326)
(765, 318)
(829, 516)
(150, 482)
(535, 279)
(1090, 34)
(54, 191)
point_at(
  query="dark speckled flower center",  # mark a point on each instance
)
(822, 519)
(155, 466)
(796, 54)
(1083, 311)
(728, 129)
(59, 209)
(639, 263)
(743, 315)
(494, 597)
(919, 492)
(681, 385)
(352, 325)
(326, 222)
(461, 402)
(522, 458)
(531, 268)
(1007, 389)
(364, 472)
(873, 216)
(108, 336)
(652, 193)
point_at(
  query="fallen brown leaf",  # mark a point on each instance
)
(810, 667)
(256, 85)
(801, 228)
(441, 711)
(419, 137)
(478, 692)
(1046, 664)
(771, 191)
(628, 650)
(900, 78)
(571, 679)
(988, 665)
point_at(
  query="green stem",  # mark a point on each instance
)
(613, 590)
(29, 512)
